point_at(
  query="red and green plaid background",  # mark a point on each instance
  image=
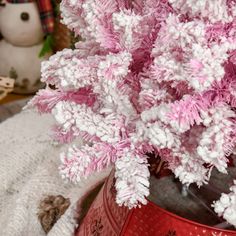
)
(45, 11)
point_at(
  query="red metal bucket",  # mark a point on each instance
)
(106, 218)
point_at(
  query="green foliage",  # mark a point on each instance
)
(47, 46)
(56, 8)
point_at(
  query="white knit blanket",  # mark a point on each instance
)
(28, 172)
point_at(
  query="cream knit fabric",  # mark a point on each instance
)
(28, 172)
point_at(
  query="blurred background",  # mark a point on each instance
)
(30, 31)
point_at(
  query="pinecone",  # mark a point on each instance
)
(62, 35)
(51, 209)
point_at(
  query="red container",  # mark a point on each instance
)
(106, 218)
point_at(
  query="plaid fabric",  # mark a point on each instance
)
(19, 1)
(46, 15)
(45, 11)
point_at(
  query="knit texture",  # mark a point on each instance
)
(29, 172)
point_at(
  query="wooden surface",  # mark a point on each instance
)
(12, 97)
(11, 108)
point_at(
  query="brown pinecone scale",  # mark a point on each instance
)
(51, 208)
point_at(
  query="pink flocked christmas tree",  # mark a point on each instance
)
(149, 76)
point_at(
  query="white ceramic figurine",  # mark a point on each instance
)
(21, 43)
